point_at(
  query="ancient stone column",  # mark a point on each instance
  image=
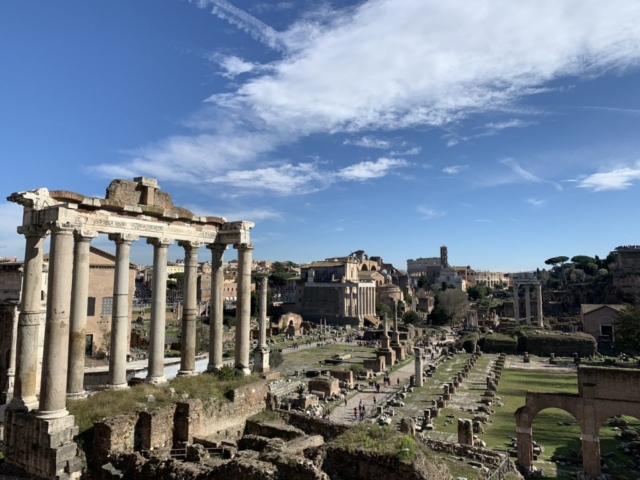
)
(527, 303)
(418, 366)
(120, 321)
(53, 387)
(24, 393)
(216, 308)
(190, 309)
(79, 301)
(539, 299)
(158, 310)
(352, 302)
(261, 353)
(243, 308)
(465, 432)
(516, 303)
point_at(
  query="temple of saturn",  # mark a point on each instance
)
(39, 431)
(527, 280)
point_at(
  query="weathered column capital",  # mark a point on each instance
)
(33, 231)
(217, 247)
(123, 238)
(188, 244)
(60, 228)
(243, 246)
(160, 242)
(84, 235)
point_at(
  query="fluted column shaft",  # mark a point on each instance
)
(539, 299)
(243, 308)
(79, 300)
(527, 303)
(158, 310)
(516, 303)
(263, 313)
(53, 387)
(117, 378)
(24, 393)
(189, 311)
(216, 308)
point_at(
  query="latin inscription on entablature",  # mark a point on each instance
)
(146, 229)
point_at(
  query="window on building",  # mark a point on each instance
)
(107, 305)
(91, 307)
(606, 330)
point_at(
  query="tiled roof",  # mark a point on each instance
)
(590, 307)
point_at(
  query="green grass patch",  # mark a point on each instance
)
(379, 439)
(111, 403)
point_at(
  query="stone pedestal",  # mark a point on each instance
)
(401, 352)
(43, 448)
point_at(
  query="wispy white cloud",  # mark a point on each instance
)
(483, 220)
(387, 65)
(368, 170)
(513, 123)
(411, 151)
(303, 178)
(233, 65)
(617, 179)
(454, 169)
(466, 205)
(244, 21)
(428, 213)
(536, 202)
(526, 175)
(368, 142)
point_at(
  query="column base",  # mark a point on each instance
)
(119, 386)
(187, 373)
(51, 414)
(245, 370)
(156, 380)
(211, 368)
(23, 404)
(77, 395)
(261, 360)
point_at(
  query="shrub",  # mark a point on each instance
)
(562, 344)
(275, 358)
(498, 342)
(407, 449)
(468, 342)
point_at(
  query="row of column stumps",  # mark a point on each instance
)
(66, 315)
(527, 302)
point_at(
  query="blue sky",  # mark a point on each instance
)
(509, 131)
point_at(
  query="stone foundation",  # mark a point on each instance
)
(42, 448)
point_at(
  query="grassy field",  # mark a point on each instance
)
(555, 430)
(310, 358)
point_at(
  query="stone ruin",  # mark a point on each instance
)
(38, 428)
(602, 393)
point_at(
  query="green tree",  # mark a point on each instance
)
(410, 317)
(382, 308)
(423, 281)
(477, 292)
(627, 329)
(558, 264)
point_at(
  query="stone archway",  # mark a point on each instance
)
(603, 393)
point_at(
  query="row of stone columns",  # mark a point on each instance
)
(366, 301)
(527, 303)
(66, 315)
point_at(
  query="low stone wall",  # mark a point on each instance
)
(171, 426)
(341, 463)
(314, 425)
(479, 454)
